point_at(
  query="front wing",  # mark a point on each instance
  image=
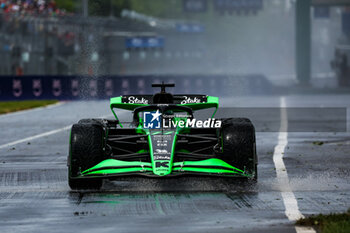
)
(212, 167)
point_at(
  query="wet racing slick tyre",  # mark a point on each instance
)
(92, 121)
(85, 151)
(238, 142)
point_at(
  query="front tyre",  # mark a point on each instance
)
(85, 151)
(238, 145)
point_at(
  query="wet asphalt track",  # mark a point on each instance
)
(35, 197)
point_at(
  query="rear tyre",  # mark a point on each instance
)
(92, 121)
(85, 151)
(238, 144)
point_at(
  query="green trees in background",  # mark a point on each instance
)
(158, 8)
(68, 5)
(107, 7)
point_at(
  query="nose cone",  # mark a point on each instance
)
(162, 145)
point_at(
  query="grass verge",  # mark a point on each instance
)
(332, 223)
(13, 106)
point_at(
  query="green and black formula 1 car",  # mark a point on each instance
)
(162, 140)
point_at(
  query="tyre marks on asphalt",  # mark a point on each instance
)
(242, 202)
(208, 211)
(164, 203)
(176, 203)
(29, 180)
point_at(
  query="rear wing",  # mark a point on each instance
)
(195, 102)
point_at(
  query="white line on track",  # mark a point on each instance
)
(289, 200)
(40, 135)
(35, 137)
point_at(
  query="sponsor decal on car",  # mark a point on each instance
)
(162, 157)
(161, 151)
(162, 140)
(135, 100)
(152, 120)
(162, 164)
(155, 120)
(189, 100)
